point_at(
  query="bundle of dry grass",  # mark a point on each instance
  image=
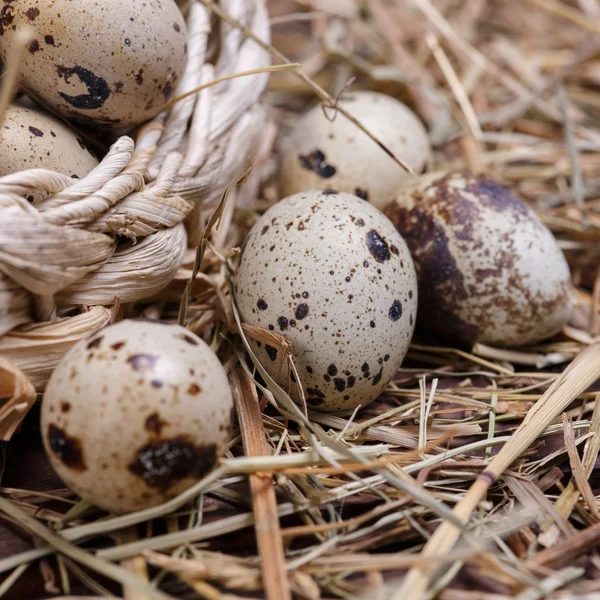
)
(474, 474)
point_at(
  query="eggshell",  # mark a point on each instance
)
(489, 270)
(136, 414)
(33, 139)
(322, 153)
(331, 274)
(114, 62)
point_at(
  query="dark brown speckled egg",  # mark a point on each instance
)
(489, 270)
(106, 62)
(330, 273)
(136, 414)
(33, 139)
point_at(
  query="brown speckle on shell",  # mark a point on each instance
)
(162, 463)
(142, 362)
(66, 448)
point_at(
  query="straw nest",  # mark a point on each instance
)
(120, 234)
(474, 476)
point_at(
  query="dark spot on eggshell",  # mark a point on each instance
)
(332, 370)
(98, 90)
(329, 192)
(187, 338)
(313, 401)
(142, 362)
(262, 305)
(377, 377)
(67, 449)
(157, 383)
(372, 324)
(95, 342)
(49, 39)
(194, 389)
(301, 311)
(495, 196)
(162, 463)
(271, 352)
(65, 407)
(32, 13)
(305, 295)
(283, 323)
(309, 369)
(316, 162)
(168, 91)
(363, 194)
(395, 311)
(378, 247)
(117, 345)
(154, 424)
(176, 27)
(35, 131)
(6, 17)
(340, 384)
(264, 230)
(359, 223)
(315, 392)
(33, 46)
(351, 381)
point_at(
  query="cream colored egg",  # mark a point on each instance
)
(136, 414)
(332, 275)
(109, 62)
(321, 153)
(33, 139)
(489, 270)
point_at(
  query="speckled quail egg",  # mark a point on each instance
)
(31, 138)
(136, 414)
(489, 270)
(332, 275)
(114, 62)
(321, 153)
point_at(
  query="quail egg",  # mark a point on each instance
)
(327, 151)
(112, 63)
(332, 275)
(136, 414)
(489, 270)
(31, 138)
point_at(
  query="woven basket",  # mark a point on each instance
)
(122, 231)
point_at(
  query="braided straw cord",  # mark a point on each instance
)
(122, 231)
